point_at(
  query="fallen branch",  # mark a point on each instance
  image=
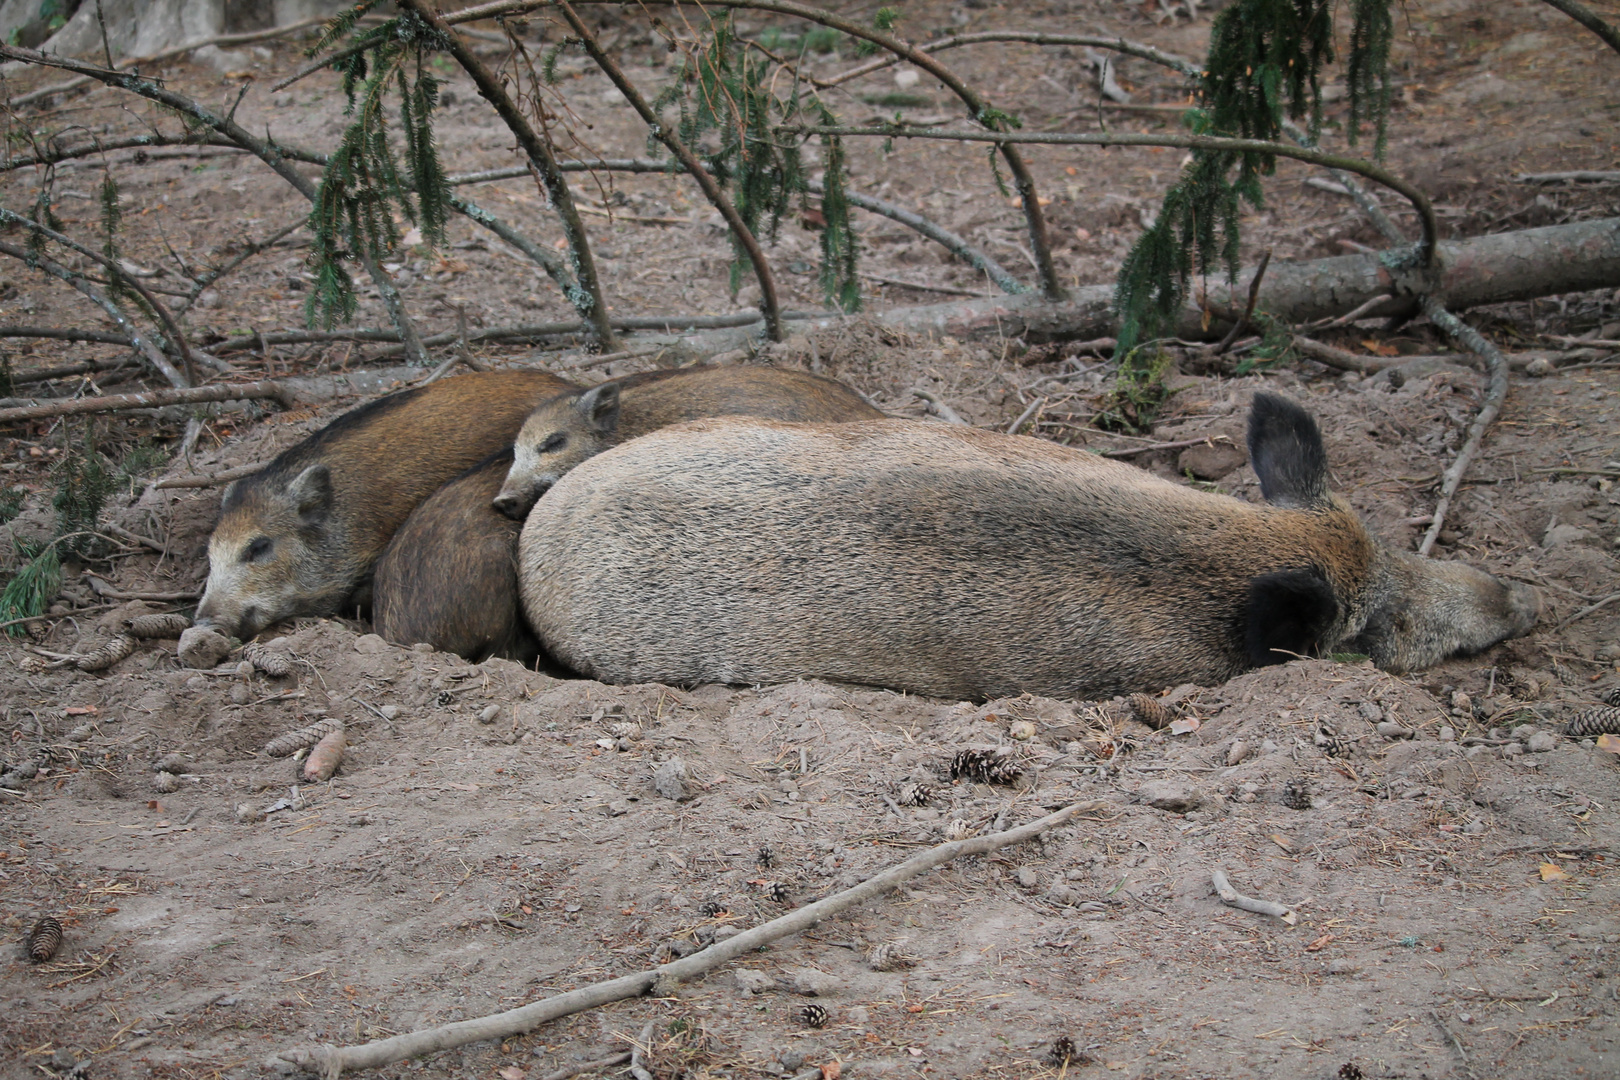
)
(1495, 394)
(331, 1061)
(1579, 176)
(1347, 361)
(1232, 898)
(1132, 451)
(100, 336)
(201, 480)
(1248, 311)
(1585, 611)
(1023, 417)
(949, 290)
(936, 407)
(151, 399)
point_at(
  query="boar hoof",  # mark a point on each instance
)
(201, 647)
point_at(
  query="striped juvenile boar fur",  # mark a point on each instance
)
(964, 564)
(574, 426)
(301, 536)
(449, 578)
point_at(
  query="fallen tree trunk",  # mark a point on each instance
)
(1492, 269)
(150, 400)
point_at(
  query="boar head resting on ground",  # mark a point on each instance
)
(966, 564)
(300, 537)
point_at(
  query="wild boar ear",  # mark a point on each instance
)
(1289, 611)
(225, 496)
(600, 407)
(1285, 448)
(311, 492)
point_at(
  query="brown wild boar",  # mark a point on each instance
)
(965, 564)
(449, 575)
(574, 426)
(300, 537)
(449, 578)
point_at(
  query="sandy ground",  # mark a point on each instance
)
(495, 835)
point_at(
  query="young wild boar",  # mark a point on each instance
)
(300, 537)
(964, 564)
(449, 577)
(574, 426)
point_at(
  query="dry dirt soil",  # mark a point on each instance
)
(494, 835)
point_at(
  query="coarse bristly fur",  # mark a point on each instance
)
(966, 564)
(301, 536)
(449, 576)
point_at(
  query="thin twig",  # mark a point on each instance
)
(1584, 612)
(1232, 898)
(1588, 18)
(769, 305)
(1023, 417)
(201, 480)
(142, 342)
(1248, 310)
(587, 297)
(264, 150)
(1495, 394)
(1451, 1036)
(332, 1061)
(177, 337)
(936, 407)
(1120, 45)
(1132, 451)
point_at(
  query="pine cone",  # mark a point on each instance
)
(36, 630)
(1610, 696)
(1296, 794)
(712, 908)
(1151, 711)
(273, 662)
(915, 795)
(157, 626)
(1351, 1071)
(44, 939)
(1064, 1052)
(1599, 721)
(776, 891)
(887, 956)
(992, 765)
(766, 856)
(106, 656)
(813, 1016)
(294, 741)
(166, 783)
(33, 665)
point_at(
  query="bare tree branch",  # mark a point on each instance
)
(587, 296)
(265, 150)
(1119, 45)
(177, 337)
(769, 305)
(1588, 18)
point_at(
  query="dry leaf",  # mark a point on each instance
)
(1379, 348)
(512, 1072)
(1320, 943)
(1549, 872)
(1184, 726)
(1082, 234)
(831, 1071)
(1611, 743)
(1282, 841)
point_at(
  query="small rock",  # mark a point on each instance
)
(203, 648)
(248, 813)
(1269, 747)
(421, 646)
(490, 714)
(1447, 734)
(166, 783)
(670, 778)
(1026, 878)
(244, 669)
(1462, 703)
(1236, 752)
(791, 1060)
(1389, 729)
(1539, 368)
(1524, 731)
(1062, 894)
(389, 712)
(1474, 828)
(813, 983)
(1211, 461)
(1542, 742)
(369, 645)
(754, 982)
(1022, 730)
(1342, 966)
(1559, 535)
(1169, 795)
(240, 693)
(1513, 749)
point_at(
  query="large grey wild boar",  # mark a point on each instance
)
(301, 536)
(449, 576)
(964, 564)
